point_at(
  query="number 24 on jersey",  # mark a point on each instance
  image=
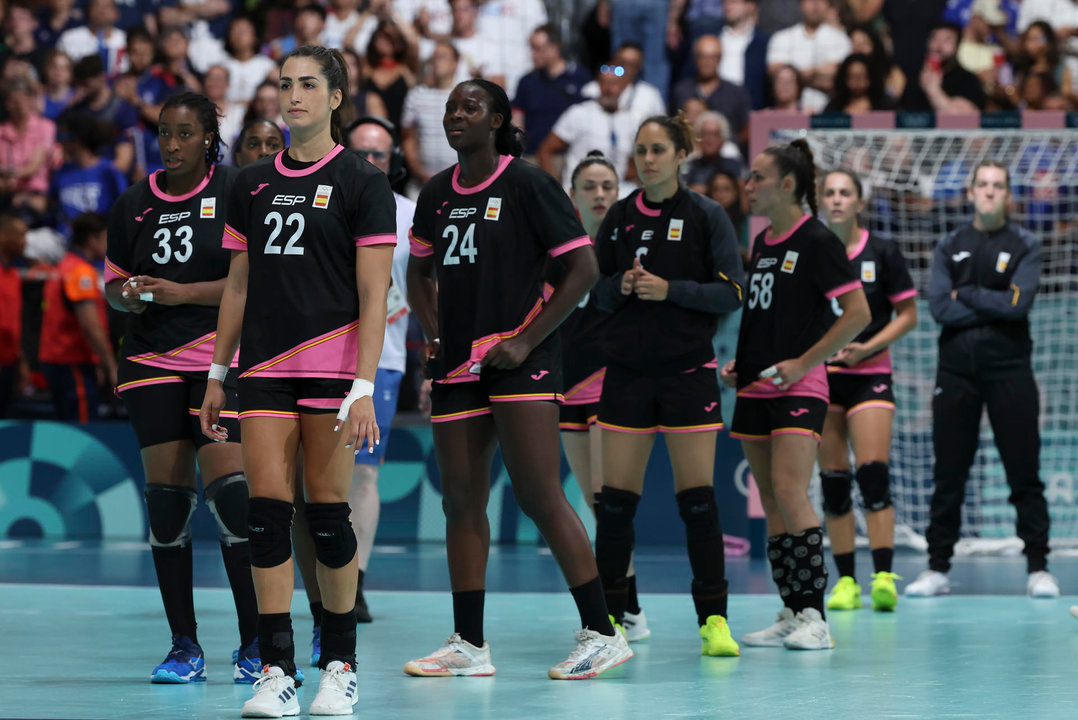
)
(467, 248)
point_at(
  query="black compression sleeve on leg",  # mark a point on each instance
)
(707, 555)
(614, 539)
(275, 644)
(338, 638)
(777, 547)
(468, 615)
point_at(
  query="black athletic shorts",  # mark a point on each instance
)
(757, 418)
(538, 378)
(852, 393)
(163, 404)
(288, 397)
(578, 418)
(679, 403)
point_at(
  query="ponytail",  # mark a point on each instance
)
(335, 70)
(796, 159)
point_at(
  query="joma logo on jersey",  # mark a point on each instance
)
(766, 263)
(457, 213)
(789, 262)
(289, 200)
(321, 198)
(173, 217)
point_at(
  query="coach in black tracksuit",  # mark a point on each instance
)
(984, 279)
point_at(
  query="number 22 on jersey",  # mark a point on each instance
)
(467, 248)
(279, 223)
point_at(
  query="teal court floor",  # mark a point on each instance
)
(75, 650)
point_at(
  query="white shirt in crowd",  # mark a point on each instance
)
(393, 346)
(794, 46)
(439, 15)
(478, 56)
(509, 25)
(244, 76)
(81, 42)
(337, 27)
(1057, 13)
(734, 45)
(641, 97)
(587, 126)
(424, 107)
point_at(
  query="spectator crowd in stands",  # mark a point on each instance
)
(83, 82)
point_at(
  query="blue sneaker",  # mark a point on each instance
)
(247, 667)
(183, 664)
(316, 646)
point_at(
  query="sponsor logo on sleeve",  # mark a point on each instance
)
(321, 197)
(868, 271)
(494, 209)
(209, 208)
(1002, 261)
(789, 262)
(674, 231)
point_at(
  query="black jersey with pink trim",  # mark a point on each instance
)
(489, 245)
(886, 281)
(176, 238)
(581, 344)
(792, 280)
(688, 241)
(301, 225)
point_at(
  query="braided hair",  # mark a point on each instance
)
(208, 118)
(796, 159)
(509, 139)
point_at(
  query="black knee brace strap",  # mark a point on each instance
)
(703, 535)
(334, 539)
(836, 486)
(269, 531)
(874, 479)
(228, 497)
(614, 535)
(169, 509)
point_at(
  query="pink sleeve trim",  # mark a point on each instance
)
(114, 271)
(419, 246)
(565, 247)
(843, 289)
(904, 295)
(381, 239)
(233, 239)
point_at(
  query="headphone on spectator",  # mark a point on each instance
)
(396, 155)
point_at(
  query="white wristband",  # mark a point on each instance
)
(218, 372)
(360, 389)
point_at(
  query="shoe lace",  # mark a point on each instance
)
(585, 639)
(336, 676)
(271, 683)
(883, 575)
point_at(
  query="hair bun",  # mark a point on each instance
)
(595, 154)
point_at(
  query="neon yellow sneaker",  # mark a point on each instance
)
(717, 639)
(846, 595)
(884, 592)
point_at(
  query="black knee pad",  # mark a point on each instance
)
(699, 512)
(269, 531)
(614, 535)
(836, 486)
(874, 479)
(169, 510)
(334, 539)
(228, 497)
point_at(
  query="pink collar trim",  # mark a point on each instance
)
(179, 198)
(860, 246)
(503, 163)
(775, 241)
(279, 164)
(644, 208)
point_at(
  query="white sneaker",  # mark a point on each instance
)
(1042, 584)
(773, 635)
(811, 634)
(337, 690)
(1074, 611)
(456, 657)
(275, 695)
(928, 584)
(636, 626)
(594, 654)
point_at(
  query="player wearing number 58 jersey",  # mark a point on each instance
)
(166, 269)
(788, 330)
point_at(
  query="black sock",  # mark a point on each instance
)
(237, 559)
(363, 613)
(591, 604)
(596, 504)
(845, 563)
(468, 615)
(709, 600)
(338, 638)
(275, 644)
(633, 604)
(316, 613)
(882, 559)
(776, 556)
(809, 579)
(359, 584)
(173, 566)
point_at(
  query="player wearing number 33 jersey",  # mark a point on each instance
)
(300, 224)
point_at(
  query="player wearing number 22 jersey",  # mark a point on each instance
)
(300, 224)
(489, 243)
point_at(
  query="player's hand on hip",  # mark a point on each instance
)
(362, 425)
(508, 354)
(158, 290)
(786, 373)
(429, 353)
(209, 415)
(728, 374)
